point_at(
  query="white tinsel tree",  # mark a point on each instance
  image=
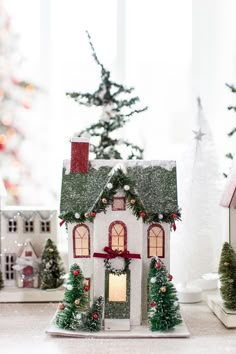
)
(197, 241)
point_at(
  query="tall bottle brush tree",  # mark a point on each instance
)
(164, 311)
(117, 109)
(52, 269)
(227, 271)
(15, 96)
(232, 132)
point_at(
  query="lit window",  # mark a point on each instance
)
(28, 226)
(117, 287)
(12, 225)
(156, 241)
(81, 241)
(45, 226)
(118, 203)
(118, 236)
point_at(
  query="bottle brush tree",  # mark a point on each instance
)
(117, 109)
(52, 269)
(227, 271)
(70, 310)
(164, 310)
(93, 318)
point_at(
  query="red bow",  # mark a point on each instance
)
(112, 254)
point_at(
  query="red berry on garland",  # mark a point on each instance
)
(174, 216)
(61, 306)
(93, 214)
(153, 304)
(158, 265)
(86, 288)
(95, 316)
(142, 214)
(170, 277)
(76, 272)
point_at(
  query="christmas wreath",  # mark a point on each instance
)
(114, 270)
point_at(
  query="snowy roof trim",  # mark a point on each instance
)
(230, 188)
(154, 181)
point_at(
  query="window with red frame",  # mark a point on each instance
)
(81, 241)
(118, 236)
(156, 241)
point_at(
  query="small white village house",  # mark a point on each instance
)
(228, 200)
(120, 212)
(23, 234)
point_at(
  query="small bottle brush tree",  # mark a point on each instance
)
(164, 311)
(93, 318)
(52, 269)
(227, 271)
(74, 302)
(1, 281)
(117, 109)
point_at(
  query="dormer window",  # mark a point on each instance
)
(118, 203)
(28, 253)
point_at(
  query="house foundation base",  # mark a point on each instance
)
(143, 331)
(227, 317)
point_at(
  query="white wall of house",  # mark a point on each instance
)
(12, 242)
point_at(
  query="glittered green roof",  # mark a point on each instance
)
(152, 183)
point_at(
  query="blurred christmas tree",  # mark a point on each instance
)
(117, 109)
(52, 268)
(15, 96)
(227, 271)
(230, 155)
(164, 311)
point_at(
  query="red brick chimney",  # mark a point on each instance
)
(79, 155)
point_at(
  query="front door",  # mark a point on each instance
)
(28, 277)
(117, 301)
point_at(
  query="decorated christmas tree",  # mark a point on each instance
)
(93, 318)
(1, 281)
(15, 97)
(227, 271)
(164, 311)
(52, 268)
(117, 109)
(230, 155)
(70, 310)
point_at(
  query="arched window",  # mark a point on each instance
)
(118, 236)
(81, 241)
(156, 241)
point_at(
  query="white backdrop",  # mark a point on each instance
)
(171, 52)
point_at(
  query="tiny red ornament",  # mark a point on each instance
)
(174, 216)
(86, 288)
(95, 315)
(76, 272)
(174, 226)
(158, 265)
(153, 304)
(93, 214)
(170, 277)
(61, 306)
(142, 214)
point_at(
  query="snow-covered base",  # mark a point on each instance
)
(227, 317)
(12, 294)
(143, 331)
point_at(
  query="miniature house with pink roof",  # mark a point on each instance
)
(228, 200)
(119, 214)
